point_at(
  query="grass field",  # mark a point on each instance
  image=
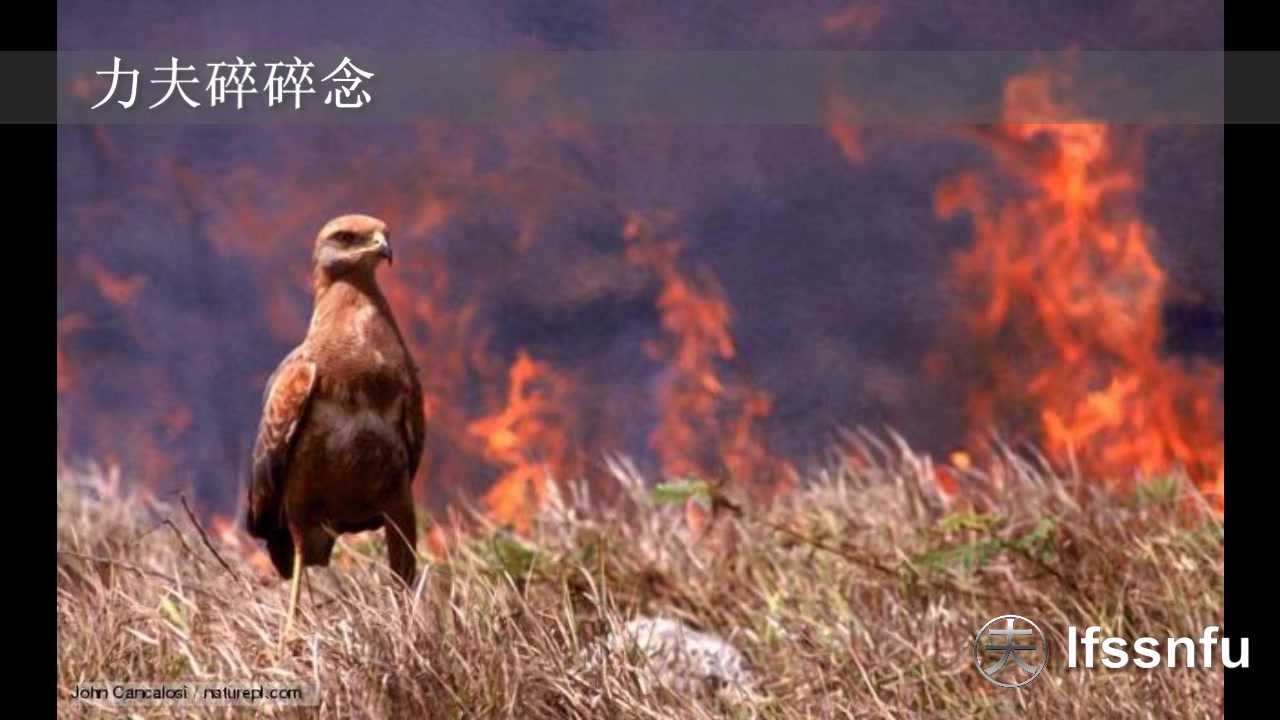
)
(856, 596)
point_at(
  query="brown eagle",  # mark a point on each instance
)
(342, 425)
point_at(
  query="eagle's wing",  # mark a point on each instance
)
(284, 408)
(414, 422)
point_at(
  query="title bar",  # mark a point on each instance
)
(734, 88)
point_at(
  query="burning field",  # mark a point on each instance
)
(887, 380)
(555, 321)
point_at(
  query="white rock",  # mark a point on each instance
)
(683, 659)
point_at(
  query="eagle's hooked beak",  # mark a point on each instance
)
(382, 246)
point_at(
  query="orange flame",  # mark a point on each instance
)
(530, 437)
(118, 290)
(859, 17)
(709, 427)
(841, 114)
(441, 339)
(1066, 312)
(226, 531)
(66, 369)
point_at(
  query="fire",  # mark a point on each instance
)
(858, 18)
(1066, 295)
(1061, 320)
(117, 290)
(847, 135)
(66, 369)
(230, 536)
(710, 427)
(442, 539)
(440, 336)
(530, 438)
(1219, 491)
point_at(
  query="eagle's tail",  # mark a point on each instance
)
(264, 521)
(262, 515)
(280, 548)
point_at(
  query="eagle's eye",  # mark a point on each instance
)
(343, 237)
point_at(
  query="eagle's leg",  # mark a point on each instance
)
(295, 588)
(402, 538)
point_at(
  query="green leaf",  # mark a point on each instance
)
(956, 522)
(173, 613)
(1037, 534)
(678, 492)
(1159, 492)
(511, 555)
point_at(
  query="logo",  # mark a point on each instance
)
(1010, 635)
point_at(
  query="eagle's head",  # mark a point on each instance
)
(350, 246)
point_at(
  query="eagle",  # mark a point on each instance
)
(342, 427)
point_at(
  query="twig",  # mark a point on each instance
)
(139, 570)
(205, 538)
(1066, 582)
(176, 532)
(841, 551)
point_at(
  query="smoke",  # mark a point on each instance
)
(182, 251)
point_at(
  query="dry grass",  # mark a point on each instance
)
(858, 596)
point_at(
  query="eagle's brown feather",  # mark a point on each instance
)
(283, 409)
(342, 428)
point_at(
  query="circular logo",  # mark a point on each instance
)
(1010, 641)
